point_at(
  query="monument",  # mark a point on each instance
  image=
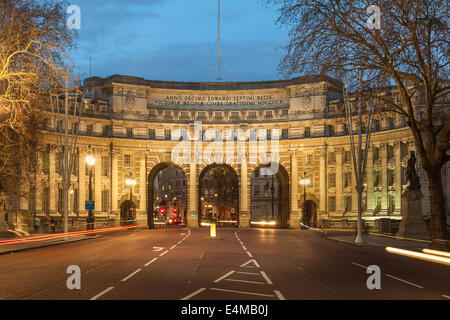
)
(413, 224)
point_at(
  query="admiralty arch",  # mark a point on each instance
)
(131, 126)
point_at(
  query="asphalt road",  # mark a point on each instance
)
(254, 264)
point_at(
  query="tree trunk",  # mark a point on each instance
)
(438, 221)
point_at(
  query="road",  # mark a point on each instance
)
(254, 264)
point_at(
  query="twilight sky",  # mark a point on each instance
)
(177, 39)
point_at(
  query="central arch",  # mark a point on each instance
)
(218, 195)
(273, 194)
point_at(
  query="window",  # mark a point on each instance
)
(46, 162)
(347, 179)
(167, 114)
(60, 200)
(376, 178)
(202, 114)
(307, 132)
(377, 125)
(284, 112)
(73, 201)
(347, 156)
(331, 204)
(76, 159)
(129, 132)
(309, 159)
(105, 166)
(253, 135)
(347, 204)
(105, 200)
(390, 123)
(390, 152)
(376, 153)
(58, 159)
(269, 134)
(151, 134)
(403, 150)
(331, 180)
(167, 135)
(127, 159)
(105, 131)
(330, 130)
(331, 157)
(152, 113)
(218, 114)
(46, 200)
(235, 114)
(90, 129)
(311, 180)
(391, 203)
(184, 114)
(269, 114)
(257, 191)
(252, 114)
(285, 134)
(390, 177)
(403, 174)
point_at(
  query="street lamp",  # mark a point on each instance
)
(130, 183)
(90, 161)
(305, 181)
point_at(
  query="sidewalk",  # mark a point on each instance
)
(22, 244)
(379, 240)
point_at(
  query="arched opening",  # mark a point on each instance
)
(310, 214)
(270, 199)
(218, 196)
(127, 213)
(167, 196)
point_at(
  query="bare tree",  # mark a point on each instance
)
(33, 44)
(408, 57)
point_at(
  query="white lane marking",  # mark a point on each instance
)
(245, 281)
(252, 273)
(244, 292)
(410, 283)
(150, 262)
(244, 248)
(249, 254)
(224, 276)
(279, 295)
(448, 297)
(128, 277)
(173, 247)
(250, 261)
(266, 277)
(179, 242)
(102, 293)
(359, 265)
(182, 234)
(157, 248)
(194, 294)
(163, 253)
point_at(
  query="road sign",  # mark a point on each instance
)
(89, 205)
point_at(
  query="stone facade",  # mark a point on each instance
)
(132, 125)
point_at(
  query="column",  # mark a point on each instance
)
(295, 213)
(193, 196)
(142, 188)
(97, 183)
(339, 180)
(244, 221)
(369, 189)
(52, 188)
(398, 177)
(322, 184)
(384, 188)
(354, 194)
(115, 187)
(82, 182)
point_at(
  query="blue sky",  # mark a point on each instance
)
(177, 39)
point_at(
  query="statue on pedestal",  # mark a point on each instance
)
(411, 174)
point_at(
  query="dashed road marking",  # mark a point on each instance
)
(194, 294)
(448, 297)
(150, 262)
(251, 273)
(249, 254)
(131, 275)
(163, 253)
(279, 295)
(359, 265)
(266, 277)
(173, 247)
(246, 265)
(102, 293)
(410, 283)
(243, 292)
(224, 276)
(245, 281)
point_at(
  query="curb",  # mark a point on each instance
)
(48, 244)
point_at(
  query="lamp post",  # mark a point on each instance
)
(130, 183)
(90, 161)
(305, 181)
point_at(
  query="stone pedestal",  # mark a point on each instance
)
(192, 220)
(294, 222)
(412, 225)
(244, 220)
